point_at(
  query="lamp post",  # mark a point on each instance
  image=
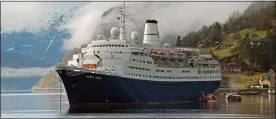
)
(254, 43)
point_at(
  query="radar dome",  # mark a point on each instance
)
(115, 31)
(134, 35)
(167, 44)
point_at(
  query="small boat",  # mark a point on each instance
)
(233, 97)
(208, 98)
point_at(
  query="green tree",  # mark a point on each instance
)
(204, 32)
(270, 49)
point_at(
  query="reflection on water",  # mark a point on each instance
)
(263, 105)
(28, 103)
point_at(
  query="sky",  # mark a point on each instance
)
(173, 18)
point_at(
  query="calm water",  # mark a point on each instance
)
(25, 104)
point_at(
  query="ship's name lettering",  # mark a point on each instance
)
(94, 77)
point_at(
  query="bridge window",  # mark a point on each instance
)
(126, 45)
(169, 71)
(112, 45)
(143, 61)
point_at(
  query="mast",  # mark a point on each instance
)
(122, 18)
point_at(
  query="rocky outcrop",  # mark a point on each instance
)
(50, 82)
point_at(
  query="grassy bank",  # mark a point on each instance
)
(241, 80)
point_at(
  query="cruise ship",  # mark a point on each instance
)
(119, 71)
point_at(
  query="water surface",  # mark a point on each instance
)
(24, 104)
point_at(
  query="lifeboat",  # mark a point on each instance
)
(172, 53)
(180, 54)
(172, 56)
(160, 52)
(89, 66)
(153, 52)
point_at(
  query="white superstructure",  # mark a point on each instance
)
(146, 60)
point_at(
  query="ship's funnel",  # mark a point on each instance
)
(151, 34)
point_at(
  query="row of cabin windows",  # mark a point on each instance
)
(132, 67)
(112, 52)
(142, 61)
(133, 74)
(208, 65)
(208, 71)
(206, 77)
(159, 70)
(164, 77)
(110, 45)
(188, 71)
(167, 77)
(185, 71)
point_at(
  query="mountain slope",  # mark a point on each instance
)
(16, 60)
(35, 44)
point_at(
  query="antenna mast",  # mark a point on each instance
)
(123, 22)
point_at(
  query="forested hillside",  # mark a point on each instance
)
(232, 37)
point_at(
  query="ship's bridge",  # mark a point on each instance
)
(105, 44)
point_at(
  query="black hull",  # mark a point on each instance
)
(92, 90)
